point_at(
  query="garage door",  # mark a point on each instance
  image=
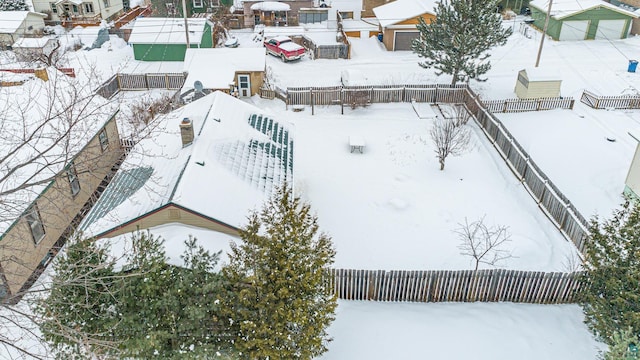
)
(610, 29)
(574, 30)
(403, 39)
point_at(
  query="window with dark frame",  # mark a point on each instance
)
(74, 182)
(104, 140)
(88, 8)
(198, 3)
(35, 223)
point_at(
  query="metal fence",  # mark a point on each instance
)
(609, 102)
(118, 82)
(456, 285)
(520, 105)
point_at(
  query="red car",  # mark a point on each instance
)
(284, 47)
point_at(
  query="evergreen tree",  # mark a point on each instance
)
(619, 345)
(13, 5)
(81, 308)
(611, 300)
(458, 40)
(147, 309)
(280, 308)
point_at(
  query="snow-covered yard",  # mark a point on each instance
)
(391, 208)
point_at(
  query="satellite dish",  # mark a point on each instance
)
(198, 86)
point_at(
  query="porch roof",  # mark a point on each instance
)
(270, 6)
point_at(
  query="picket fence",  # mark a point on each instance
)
(608, 102)
(519, 105)
(456, 285)
(118, 82)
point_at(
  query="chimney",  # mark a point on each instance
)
(186, 131)
(41, 74)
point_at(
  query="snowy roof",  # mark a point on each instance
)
(29, 117)
(400, 10)
(564, 8)
(345, 5)
(174, 236)
(76, 2)
(237, 158)
(166, 31)
(10, 21)
(542, 74)
(32, 42)
(270, 6)
(216, 68)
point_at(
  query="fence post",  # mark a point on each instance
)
(312, 108)
(166, 80)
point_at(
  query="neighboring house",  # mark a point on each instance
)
(398, 21)
(173, 8)
(48, 184)
(535, 83)
(164, 39)
(16, 24)
(274, 13)
(632, 182)
(77, 12)
(28, 49)
(211, 163)
(582, 19)
(223, 68)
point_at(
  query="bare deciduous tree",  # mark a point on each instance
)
(449, 139)
(484, 244)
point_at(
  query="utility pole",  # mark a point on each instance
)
(186, 25)
(544, 32)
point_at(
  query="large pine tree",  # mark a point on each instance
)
(458, 40)
(280, 308)
(611, 301)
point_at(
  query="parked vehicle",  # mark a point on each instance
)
(284, 47)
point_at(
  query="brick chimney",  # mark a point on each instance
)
(186, 131)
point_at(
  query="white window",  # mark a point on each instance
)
(74, 182)
(35, 223)
(104, 140)
(106, 3)
(54, 8)
(88, 8)
(198, 3)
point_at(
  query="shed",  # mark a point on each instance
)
(583, 19)
(28, 49)
(398, 21)
(164, 39)
(218, 68)
(537, 83)
(16, 24)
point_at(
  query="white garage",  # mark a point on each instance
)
(574, 30)
(611, 29)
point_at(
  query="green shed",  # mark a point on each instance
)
(164, 39)
(582, 19)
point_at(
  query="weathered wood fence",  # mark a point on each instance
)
(519, 105)
(336, 95)
(456, 285)
(118, 82)
(549, 198)
(608, 102)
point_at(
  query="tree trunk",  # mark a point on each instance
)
(441, 165)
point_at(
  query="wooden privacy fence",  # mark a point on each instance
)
(607, 102)
(336, 95)
(456, 285)
(118, 82)
(518, 105)
(549, 198)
